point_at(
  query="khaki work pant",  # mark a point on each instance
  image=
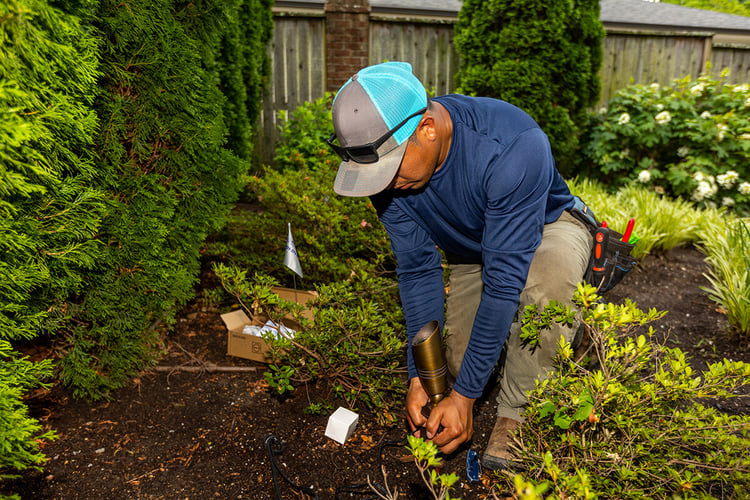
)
(556, 269)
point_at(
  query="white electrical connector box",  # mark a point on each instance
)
(341, 425)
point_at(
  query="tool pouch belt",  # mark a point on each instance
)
(606, 270)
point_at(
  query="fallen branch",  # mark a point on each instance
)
(205, 368)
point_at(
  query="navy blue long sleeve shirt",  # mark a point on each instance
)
(487, 204)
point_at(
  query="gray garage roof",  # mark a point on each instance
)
(632, 14)
(650, 15)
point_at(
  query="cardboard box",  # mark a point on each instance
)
(249, 346)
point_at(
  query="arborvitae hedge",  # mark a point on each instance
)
(50, 204)
(542, 56)
(122, 135)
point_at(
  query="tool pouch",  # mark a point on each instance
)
(610, 258)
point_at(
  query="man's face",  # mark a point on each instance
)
(417, 166)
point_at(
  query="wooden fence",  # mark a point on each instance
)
(299, 74)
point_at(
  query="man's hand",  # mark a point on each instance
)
(416, 398)
(454, 413)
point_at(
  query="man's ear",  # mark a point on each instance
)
(426, 129)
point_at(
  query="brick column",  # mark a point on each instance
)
(347, 40)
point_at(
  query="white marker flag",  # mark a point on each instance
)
(291, 259)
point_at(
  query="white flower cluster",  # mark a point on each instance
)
(683, 151)
(624, 118)
(722, 131)
(698, 89)
(704, 190)
(728, 179)
(706, 115)
(744, 188)
(663, 118)
(644, 176)
(706, 186)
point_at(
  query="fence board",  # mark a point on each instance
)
(737, 59)
(298, 75)
(648, 58)
(428, 47)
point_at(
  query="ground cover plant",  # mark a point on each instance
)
(351, 344)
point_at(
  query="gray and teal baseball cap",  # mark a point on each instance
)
(374, 114)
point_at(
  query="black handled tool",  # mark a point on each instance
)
(601, 238)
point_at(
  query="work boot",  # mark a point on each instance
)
(497, 455)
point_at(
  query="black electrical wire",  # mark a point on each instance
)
(365, 488)
(275, 447)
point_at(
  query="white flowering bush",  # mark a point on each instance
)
(688, 140)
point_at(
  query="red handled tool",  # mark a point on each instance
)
(628, 231)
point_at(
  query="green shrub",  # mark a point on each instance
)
(544, 57)
(354, 343)
(634, 424)
(336, 236)
(690, 140)
(727, 248)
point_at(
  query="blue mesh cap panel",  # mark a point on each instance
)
(396, 93)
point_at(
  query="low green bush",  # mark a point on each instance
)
(690, 139)
(336, 237)
(355, 343)
(635, 423)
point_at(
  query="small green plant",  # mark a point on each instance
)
(319, 408)
(213, 296)
(727, 247)
(428, 462)
(633, 423)
(689, 140)
(279, 378)
(533, 321)
(355, 342)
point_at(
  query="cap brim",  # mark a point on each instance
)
(366, 179)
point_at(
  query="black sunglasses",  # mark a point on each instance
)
(367, 153)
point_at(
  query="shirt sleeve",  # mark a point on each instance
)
(517, 186)
(419, 271)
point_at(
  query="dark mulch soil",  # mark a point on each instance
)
(201, 435)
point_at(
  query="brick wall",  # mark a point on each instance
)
(347, 39)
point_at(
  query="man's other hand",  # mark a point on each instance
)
(454, 413)
(416, 399)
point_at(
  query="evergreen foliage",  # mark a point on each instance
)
(116, 160)
(544, 57)
(20, 435)
(50, 207)
(169, 176)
